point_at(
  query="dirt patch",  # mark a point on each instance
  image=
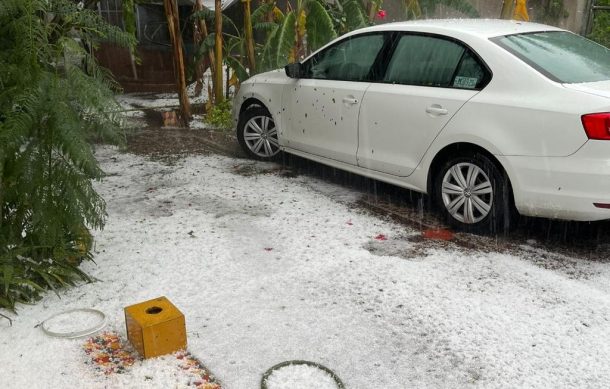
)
(148, 137)
(179, 142)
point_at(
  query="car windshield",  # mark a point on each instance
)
(562, 56)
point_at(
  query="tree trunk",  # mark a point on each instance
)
(507, 9)
(218, 52)
(201, 33)
(173, 25)
(249, 37)
(134, 70)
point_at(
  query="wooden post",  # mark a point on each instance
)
(173, 25)
(249, 37)
(218, 97)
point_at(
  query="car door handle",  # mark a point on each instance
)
(436, 110)
(350, 100)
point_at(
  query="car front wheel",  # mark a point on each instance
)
(474, 195)
(257, 134)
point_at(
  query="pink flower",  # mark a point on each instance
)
(381, 14)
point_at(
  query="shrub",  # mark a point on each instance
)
(219, 116)
(54, 100)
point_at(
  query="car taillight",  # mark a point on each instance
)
(597, 125)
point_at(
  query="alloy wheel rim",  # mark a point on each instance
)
(467, 193)
(260, 136)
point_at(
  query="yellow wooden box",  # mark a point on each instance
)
(155, 327)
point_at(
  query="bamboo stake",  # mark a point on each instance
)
(249, 37)
(218, 53)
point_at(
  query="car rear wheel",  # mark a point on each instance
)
(474, 195)
(257, 134)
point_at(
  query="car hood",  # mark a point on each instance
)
(600, 88)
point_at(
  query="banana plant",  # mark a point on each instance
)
(349, 15)
(293, 34)
(234, 47)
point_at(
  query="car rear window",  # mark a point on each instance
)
(561, 56)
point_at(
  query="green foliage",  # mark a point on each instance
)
(238, 68)
(355, 15)
(129, 16)
(233, 45)
(286, 35)
(54, 100)
(281, 39)
(319, 25)
(601, 29)
(346, 15)
(427, 8)
(283, 43)
(235, 50)
(260, 13)
(219, 116)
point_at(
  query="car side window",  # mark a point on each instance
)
(348, 60)
(430, 61)
(470, 74)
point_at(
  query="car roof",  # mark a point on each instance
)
(482, 28)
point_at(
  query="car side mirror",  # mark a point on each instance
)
(294, 70)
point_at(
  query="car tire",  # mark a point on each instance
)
(257, 134)
(475, 195)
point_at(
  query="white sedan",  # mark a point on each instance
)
(486, 116)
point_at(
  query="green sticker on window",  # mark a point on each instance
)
(465, 82)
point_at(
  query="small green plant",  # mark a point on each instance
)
(219, 116)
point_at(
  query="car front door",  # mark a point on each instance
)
(324, 104)
(427, 80)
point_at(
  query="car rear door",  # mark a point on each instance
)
(427, 80)
(323, 106)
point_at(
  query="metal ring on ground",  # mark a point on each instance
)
(332, 374)
(75, 334)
